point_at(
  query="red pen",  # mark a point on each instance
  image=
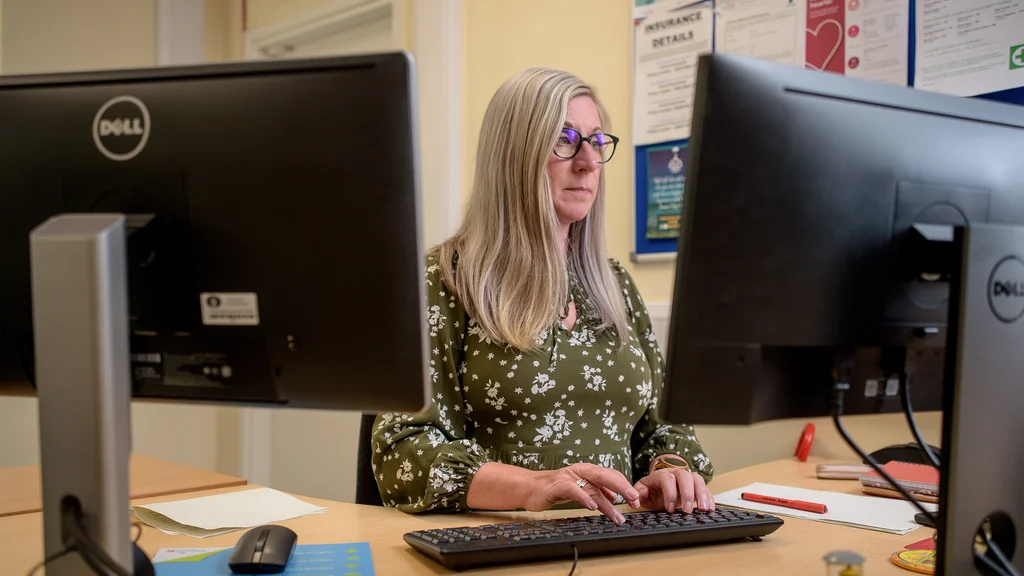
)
(795, 504)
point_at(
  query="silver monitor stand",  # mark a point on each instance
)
(80, 320)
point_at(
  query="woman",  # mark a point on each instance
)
(546, 372)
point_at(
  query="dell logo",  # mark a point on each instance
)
(1006, 289)
(121, 128)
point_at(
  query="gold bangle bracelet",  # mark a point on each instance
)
(670, 462)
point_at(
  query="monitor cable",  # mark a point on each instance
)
(999, 565)
(841, 386)
(79, 540)
(908, 411)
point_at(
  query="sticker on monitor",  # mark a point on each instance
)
(229, 308)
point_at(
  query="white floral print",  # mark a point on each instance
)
(579, 397)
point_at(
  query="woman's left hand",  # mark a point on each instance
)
(674, 489)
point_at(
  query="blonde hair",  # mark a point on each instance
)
(512, 263)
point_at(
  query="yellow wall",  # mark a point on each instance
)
(83, 37)
(590, 38)
(1, 37)
(261, 13)
(223, 31)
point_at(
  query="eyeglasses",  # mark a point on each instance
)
(570, 141)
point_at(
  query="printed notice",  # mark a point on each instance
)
(969, 47)
(668, 40)
(878, 40)
(666, 180)
(229, 308)
(860, 38)
(765, 29)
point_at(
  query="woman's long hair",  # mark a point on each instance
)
(512, 263)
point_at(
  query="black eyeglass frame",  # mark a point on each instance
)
(588, 140)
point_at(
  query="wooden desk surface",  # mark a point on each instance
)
(21, 491)
(795, 548)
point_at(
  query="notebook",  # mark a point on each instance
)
(918, 479)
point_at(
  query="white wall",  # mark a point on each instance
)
(68, 35)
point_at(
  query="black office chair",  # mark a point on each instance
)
(366, 485)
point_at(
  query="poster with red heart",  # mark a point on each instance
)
(826, 30)
(861, 38)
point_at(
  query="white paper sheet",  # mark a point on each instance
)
(878, 40)
(669, 36)
(212, 515)
(765, 29)
(969, 47)
(869, 512)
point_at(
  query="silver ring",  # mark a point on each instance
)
(582, 482)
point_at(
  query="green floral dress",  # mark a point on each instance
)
(578, 398)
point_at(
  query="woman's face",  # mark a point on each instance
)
(574, 180)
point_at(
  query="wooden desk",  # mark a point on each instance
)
(21, 491)
(795, 548)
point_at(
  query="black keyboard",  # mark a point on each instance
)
(508, 543)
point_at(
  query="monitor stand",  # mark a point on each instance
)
(80, 322)
(982, 471)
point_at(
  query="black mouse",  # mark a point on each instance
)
(263, 550)
(142, 565)
(904, 453)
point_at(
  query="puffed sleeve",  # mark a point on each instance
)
(653, 437)
(425, 462)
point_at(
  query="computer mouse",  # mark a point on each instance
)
(903, 453)
(142, 564)
(263, 550)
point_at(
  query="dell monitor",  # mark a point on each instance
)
(245, 233)
(807, 197)
(840, 232)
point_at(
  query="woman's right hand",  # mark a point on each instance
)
(592, 486)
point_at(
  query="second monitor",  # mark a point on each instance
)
(816, 225)
(274, 248)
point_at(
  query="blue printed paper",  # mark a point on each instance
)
(352, 559)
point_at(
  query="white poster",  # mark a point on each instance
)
(668, 38)
(766, 29)
(859, 38)
(878, 40)
(969, 47)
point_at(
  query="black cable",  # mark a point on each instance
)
(72, 548)
(840, 389)
(97, 565)
(1005, 566)
(51, 558)
(93, 554)
(995, 568)
(912, 423)
(575, 559)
